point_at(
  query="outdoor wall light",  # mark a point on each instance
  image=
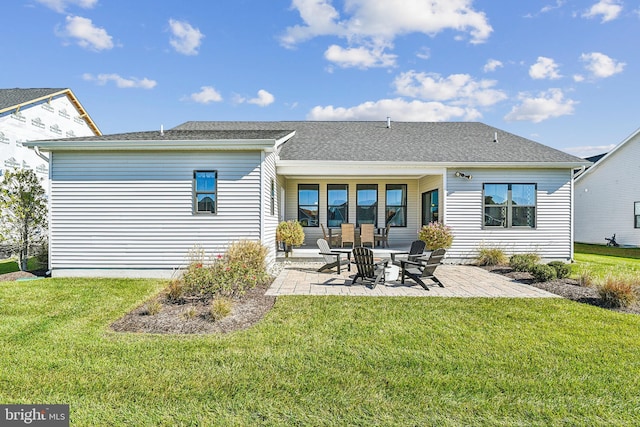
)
(462, 175)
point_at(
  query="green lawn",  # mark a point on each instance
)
(11, 265)
(318, 361)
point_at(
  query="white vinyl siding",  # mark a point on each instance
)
(269, 221)
(551, 239)
(135, 210)
(605, 198)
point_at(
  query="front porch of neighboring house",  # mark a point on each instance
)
(406, 202)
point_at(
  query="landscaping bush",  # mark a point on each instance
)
(491, 256)
(542, 273)
(220, 308)
(290, 233)
(585, 275)
(436, 235)
(618, 291)
(175, 290)
(523, 262)
(251, 253)
(241, 268)
(562, 270)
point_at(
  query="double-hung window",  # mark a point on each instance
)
(509, 205)
(308, 197)
(636, 207)
(337, 204)
(366, 204)
(396, 205)
(205, 185)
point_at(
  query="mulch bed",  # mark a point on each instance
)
(194, 317)
(567, 288)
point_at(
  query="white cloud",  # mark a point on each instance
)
(424, 53)
(376, 24)
(61, 5)
(186, 39)
(86, 34)
(608, 9)
(121, 82)
(360, 57)
(544, 68)
(546, 105)
(600, 65)
(492, 65)
(458, 89)
(263, 99)
(589, 150)
(206, 95)
(398, 109)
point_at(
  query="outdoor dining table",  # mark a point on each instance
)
(379, 230)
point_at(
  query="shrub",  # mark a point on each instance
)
(542, 273)
(562, 270)
(241, 268)
(220, 308)
(523, 262)
(585, 276)
(175, 289)
(290, 232)
(617, 292)
(153, 308)
(436, 235)
(491, 256)
(252, 254)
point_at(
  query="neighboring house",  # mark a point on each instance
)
(608, 196)
(35, 114)
(134, 204)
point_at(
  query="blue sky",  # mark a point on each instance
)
(564, 73)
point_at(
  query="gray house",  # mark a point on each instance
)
(134, 204)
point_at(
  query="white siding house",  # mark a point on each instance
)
(124, 205)
(608, 196)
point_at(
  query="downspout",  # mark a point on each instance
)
(39, 154)
(572, 219)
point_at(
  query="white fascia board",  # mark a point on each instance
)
(169, 145)
(351, 168)
(609, 154)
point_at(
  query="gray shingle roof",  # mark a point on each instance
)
(464, 142)
(12, 97)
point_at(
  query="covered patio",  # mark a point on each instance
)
(302, 278)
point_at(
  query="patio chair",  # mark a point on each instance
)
(421, 269)
(369, 271)
(382, 238)
(332, 239)
(348, 234)
(367, 234)
(332, 258)
(416, 250)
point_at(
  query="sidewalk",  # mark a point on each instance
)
(458, 280)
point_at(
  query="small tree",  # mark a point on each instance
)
(23, 213)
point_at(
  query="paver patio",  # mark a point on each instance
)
(458, 280)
